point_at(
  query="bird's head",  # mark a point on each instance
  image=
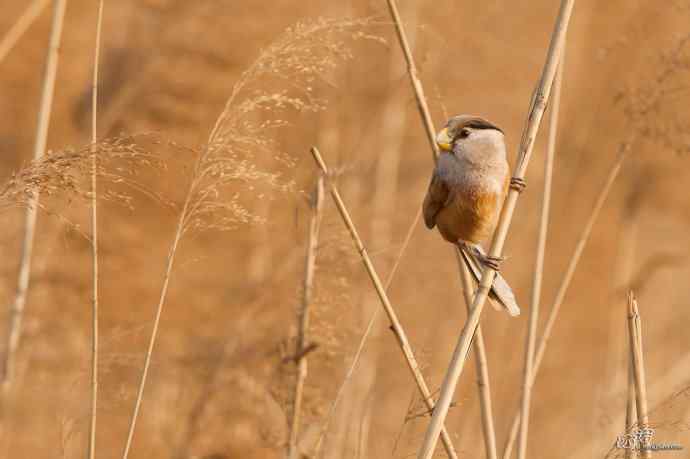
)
(464, 129)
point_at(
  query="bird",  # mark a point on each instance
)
(466, 194)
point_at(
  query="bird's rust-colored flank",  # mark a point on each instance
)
(470, 216)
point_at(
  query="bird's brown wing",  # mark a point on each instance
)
(435, 199)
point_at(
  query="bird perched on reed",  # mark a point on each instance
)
(466, 193)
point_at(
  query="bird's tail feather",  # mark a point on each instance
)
(501, 294)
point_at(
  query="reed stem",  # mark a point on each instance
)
(536, 113)
(483, 379)
(565, 284)
(539, 264)
(635, 333)
(94, 237)
(16, 309)
(303, 315)
(396, 326)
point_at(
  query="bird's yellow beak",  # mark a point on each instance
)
(443, 141)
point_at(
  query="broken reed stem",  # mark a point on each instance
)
(539, 264)
(565, 284)
(365, 336)
(16, 309)
(396, 327)
(481, 362)
(630, 413)
(22, 24)
(536, 112)
(635, 332)
(94, 237)
(483, 380)
(303, 314)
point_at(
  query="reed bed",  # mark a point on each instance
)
(244, 179)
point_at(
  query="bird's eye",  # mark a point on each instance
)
(464, 133)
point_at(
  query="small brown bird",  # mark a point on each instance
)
(466, 194)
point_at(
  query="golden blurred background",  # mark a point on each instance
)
(219, 386)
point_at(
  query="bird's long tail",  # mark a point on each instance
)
(501, 294)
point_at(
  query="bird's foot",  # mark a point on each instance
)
(518, 184)
(486, 260)
(491, 262)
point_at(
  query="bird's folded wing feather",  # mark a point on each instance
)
(435, 199)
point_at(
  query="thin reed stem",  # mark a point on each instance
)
(303, 316)
(630, 412)
(414, 78)
(28, 17)
(16, 309)
(365, 335)
(156, 322)
(536, 112)
(635, 332)
(539, 264)
(94, 237)
(565, 284)
(481, 362)
(396, 326)
(483, 379)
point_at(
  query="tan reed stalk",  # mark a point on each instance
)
(483, 380)
(565, 283)
(539, 264)
(18, 29)
(630, 413)
(303, 315)
(94, 237)
(635, 331)
(396, 326)
(156, 322)
(17, 306)
(615, 351)
(537, 108)
(381, 232)
(414, 78)
(367, 332)
(481, 362)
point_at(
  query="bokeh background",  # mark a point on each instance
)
(219, 385)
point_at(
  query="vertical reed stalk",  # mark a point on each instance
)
(565, 284)
(303, 315)
(18, 29)
(367, 332)
(16, 310)
(94, 237)
(536, 112)
(414, 78)
(396, 326)
(630, 413)
(635, 332)
(156, 322)
(483, 380)
(539, 264)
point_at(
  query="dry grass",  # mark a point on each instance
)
(298, 58)
(65, 175)
(222, 377)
